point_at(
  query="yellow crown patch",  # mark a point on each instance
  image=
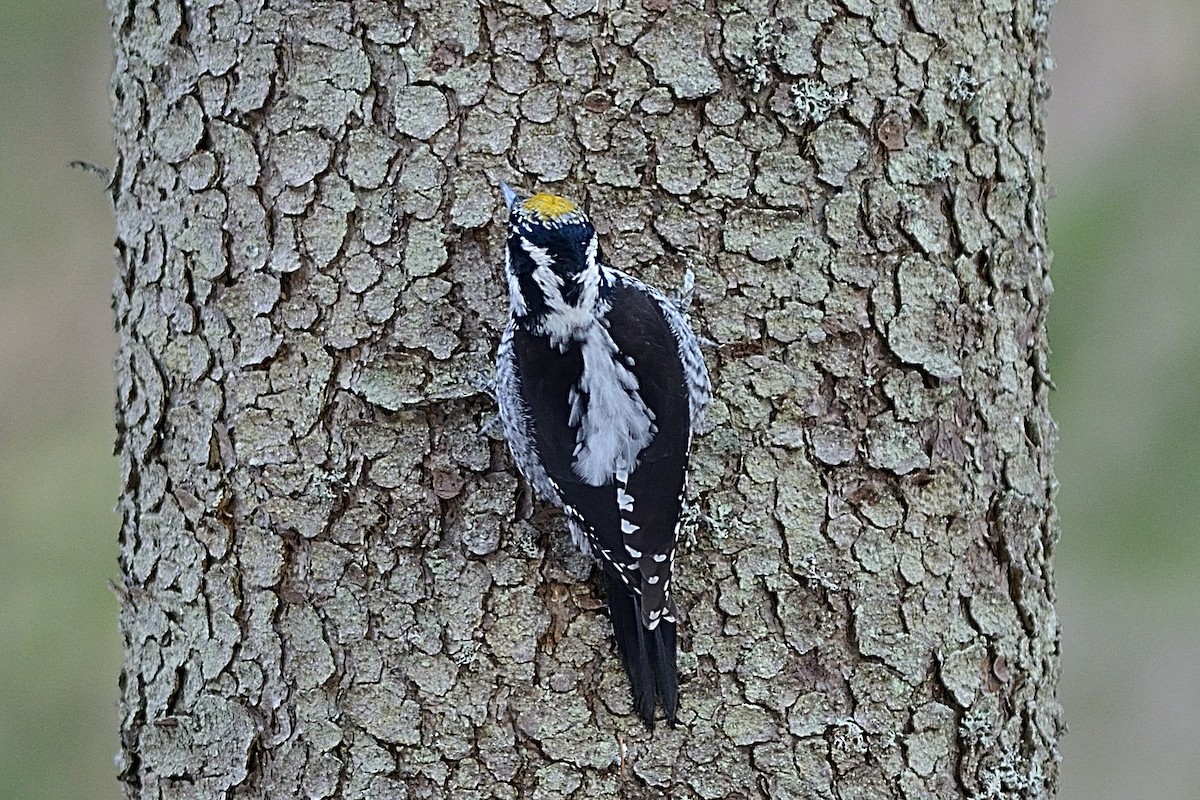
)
(548, 206)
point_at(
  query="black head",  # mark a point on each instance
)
(552, 257)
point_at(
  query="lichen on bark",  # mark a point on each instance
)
(334, 586)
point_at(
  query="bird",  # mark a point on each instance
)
(601, 386)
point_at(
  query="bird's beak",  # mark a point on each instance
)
(510, 196)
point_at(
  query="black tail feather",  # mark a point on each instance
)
(648, 655)
(665, 674)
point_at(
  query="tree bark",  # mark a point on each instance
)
(334, 586)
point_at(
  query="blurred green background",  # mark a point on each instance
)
(1124, 158)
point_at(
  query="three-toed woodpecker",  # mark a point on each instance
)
(601, 385)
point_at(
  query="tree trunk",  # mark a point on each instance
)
(334, 586)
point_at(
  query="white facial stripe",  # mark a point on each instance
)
(548, 281)
(540, 255)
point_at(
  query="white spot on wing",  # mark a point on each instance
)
(632, 552)
(628, 527)
(624, 500)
